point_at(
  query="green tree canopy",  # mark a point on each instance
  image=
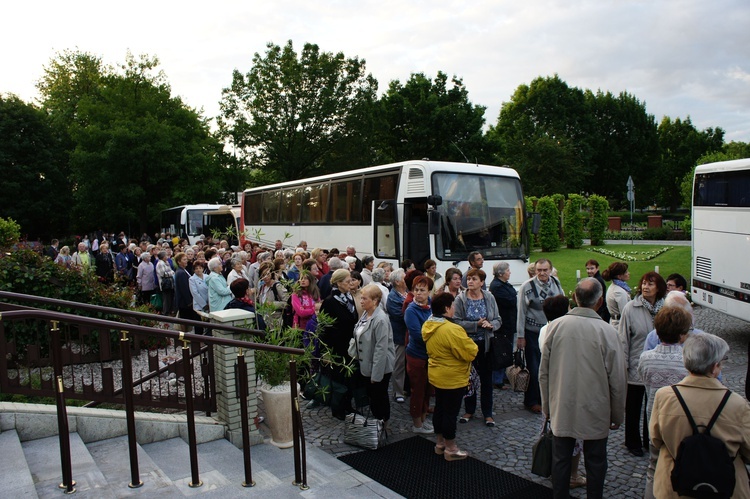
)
(290, 115)
(542, 132)
(624, 142)
(34, 189)
(681, 146)
(139, 150)
(424, 118)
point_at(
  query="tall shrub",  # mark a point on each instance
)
(573, 220)
(549, 238)
(598, 223)
(10, 232)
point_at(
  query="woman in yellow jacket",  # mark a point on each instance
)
(450, 352)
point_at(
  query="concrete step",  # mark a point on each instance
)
(113, 459)
(43, 458)
(14, 471)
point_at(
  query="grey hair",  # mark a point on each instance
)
(397, 276)
(214, 264)
(336, 263)
(262, 257)
(378, 275)
(288, 254)
(679, 300)
(235, 260)
(161, 255)
(588, 291)
(701, 351)
(500, 268)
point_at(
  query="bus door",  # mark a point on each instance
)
(416, 231)
(386, 244)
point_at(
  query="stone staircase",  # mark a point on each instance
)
(101, 469)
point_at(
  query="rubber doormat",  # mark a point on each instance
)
(411, 468)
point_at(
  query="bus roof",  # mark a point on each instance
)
(724, 166)
(430, 166)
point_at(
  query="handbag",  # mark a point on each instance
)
(167, 283)
(364, 431)
(501, 351)
(156, 301)
(541, 453)
(518, 375)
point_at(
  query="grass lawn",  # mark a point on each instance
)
(567, 261)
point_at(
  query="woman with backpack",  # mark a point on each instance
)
(682, 466)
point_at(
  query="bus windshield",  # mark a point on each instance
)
(479, 213)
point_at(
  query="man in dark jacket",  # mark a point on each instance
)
(592, 269)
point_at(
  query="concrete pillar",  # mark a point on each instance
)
(225, 358)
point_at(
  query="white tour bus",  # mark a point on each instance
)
(191, 221)
(415, 210)
(721, 237)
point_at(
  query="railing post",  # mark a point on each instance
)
(187, 366)
(300, 471)
(127, 391)
(62, 413)
(243, 391)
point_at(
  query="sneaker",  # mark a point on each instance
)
(428, 425)
(400, 400)
(421, 430)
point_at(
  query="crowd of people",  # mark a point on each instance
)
(414, 333)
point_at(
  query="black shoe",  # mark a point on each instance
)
(636, 451)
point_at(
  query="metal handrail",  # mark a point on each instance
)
(55, 317)
(118, 311)
(176, 335)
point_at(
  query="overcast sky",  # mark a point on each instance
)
(682, 58)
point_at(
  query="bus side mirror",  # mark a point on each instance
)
(435, 200)
(536, 221)
(433, 222)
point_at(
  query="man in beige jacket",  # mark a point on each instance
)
(583, 386)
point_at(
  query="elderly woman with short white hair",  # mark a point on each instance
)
(219, 293)
(704, 356)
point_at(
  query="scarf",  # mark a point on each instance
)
(343, 298)
(247, 300)
(622, 284)
(652, 309)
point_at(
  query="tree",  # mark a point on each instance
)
(681, 146)
(598, 220)
(139, 150)
(624, 143)
(573, 220)
(543, 133)
(289, 116)
(424, 118)
(33, 191)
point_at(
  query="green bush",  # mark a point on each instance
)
(598, 222)
(549, 237)
(664, 234)
(573, 221)
(10, 232)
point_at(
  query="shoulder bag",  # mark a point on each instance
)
(518, 374)
(541, 453)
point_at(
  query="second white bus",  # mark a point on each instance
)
(721, 237)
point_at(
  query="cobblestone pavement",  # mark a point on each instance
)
(508, 445)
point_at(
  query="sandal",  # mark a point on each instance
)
(465, 418)
(456, 455)
(439, 450)
(579, 481)
(489, 422)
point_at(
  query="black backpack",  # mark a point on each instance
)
(703, 467)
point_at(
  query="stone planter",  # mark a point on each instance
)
(278, 403)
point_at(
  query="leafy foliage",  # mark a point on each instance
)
(681, 147)
(288, 115)
(598, 220)
(34, 190)
(549, 237)
(573, 219)
(10, 232)
(424, 118)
